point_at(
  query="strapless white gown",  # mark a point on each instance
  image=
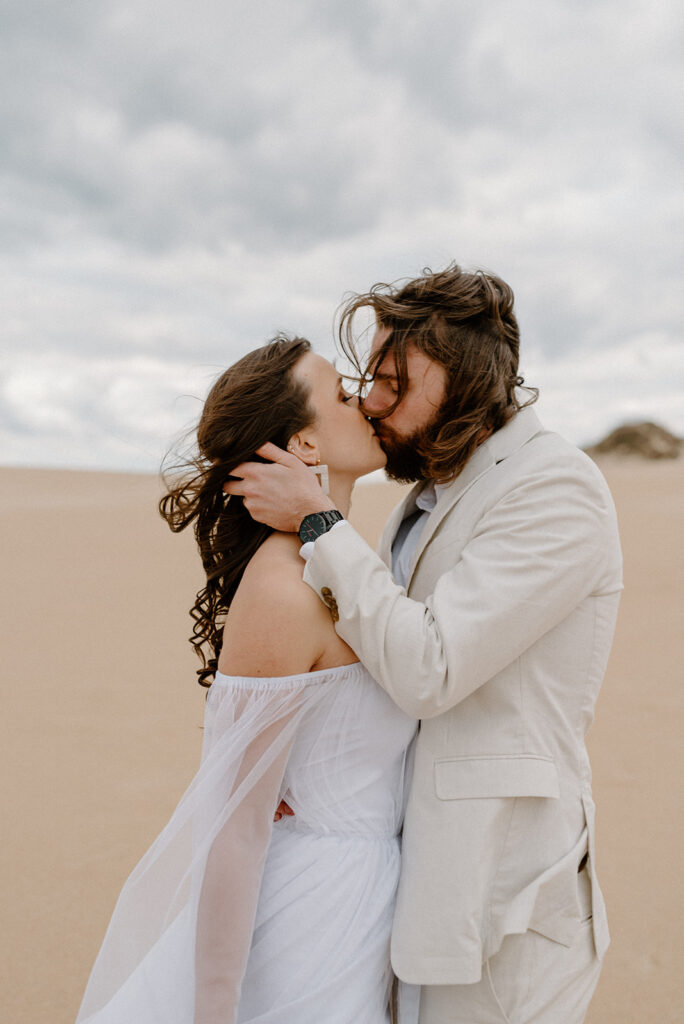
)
(314, 907)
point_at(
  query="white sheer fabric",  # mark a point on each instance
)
(230, 918)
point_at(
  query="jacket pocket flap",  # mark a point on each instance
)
(504, 775)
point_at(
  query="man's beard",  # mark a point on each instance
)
(406, 461)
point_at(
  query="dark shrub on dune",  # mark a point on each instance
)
(646, 439)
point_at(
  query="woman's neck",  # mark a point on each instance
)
(340, 492)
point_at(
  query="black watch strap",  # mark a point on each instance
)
(318, 523)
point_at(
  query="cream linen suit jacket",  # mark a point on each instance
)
(499, 645)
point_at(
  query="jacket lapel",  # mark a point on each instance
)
(518, 431)
(478, 464)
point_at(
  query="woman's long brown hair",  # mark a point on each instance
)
(256, 400)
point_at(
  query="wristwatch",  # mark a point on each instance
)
(318, 523)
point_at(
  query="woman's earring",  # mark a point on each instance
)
(321, 471)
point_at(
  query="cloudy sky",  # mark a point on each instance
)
(179, 181)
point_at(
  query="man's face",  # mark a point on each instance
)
(411, 422)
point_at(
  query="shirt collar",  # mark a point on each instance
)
(430, 495)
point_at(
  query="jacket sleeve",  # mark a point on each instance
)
(531, 559)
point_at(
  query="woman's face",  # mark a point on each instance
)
(341, 436)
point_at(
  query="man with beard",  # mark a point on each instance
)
(488, 614)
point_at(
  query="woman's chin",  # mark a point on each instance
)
(374, 464)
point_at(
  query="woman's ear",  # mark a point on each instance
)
(304, 448)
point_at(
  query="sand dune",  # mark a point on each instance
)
(102, 717)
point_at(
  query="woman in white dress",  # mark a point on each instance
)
(232, 917)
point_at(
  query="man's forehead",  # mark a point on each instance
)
(380, 336)
(387, 367)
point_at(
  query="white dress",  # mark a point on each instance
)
(230, 918)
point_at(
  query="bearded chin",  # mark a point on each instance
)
(405, 461)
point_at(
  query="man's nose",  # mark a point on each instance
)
(371, 405)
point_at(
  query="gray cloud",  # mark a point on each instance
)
(178, 185)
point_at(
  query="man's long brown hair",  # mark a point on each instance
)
(464, 321)
(257, 400)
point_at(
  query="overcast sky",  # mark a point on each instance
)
(179, 181)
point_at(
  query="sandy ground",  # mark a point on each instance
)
(101, 726)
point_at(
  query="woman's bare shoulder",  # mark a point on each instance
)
(275, 571)
(276, 624)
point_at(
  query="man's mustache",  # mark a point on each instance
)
(377, 427)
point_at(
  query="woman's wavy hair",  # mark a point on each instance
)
(256, 400)
(464, 321)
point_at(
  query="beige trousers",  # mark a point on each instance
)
(531, 980)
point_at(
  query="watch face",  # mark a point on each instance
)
(313, 526)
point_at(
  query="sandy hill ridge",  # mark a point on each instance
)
(649, 440)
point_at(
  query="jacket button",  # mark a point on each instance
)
(330, 602)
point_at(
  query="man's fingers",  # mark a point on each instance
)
(281, 809)
(243, 470)
(236, 487)
(275, 454)
(246, 469)
(248, 476)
